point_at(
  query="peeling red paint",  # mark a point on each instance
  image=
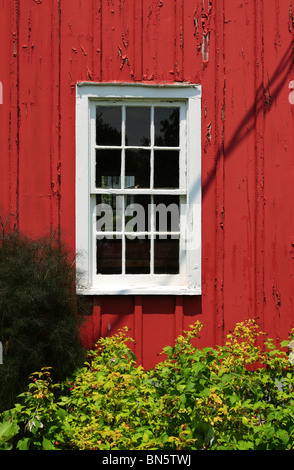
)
(202, 22)
(242, 55)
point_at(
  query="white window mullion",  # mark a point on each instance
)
(123, 185)
(123, 154)
(93, 146)
(152, 135)
(183, 235)
(123, 235)
(152, 230)
(93, 238)
(183, 147)
(152, 222)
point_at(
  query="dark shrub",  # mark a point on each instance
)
(38, 321)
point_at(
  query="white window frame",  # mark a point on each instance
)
(189, 281)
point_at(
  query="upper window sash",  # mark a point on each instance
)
(182, 147)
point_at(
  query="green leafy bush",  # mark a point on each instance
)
(236, 396)
(38, 321)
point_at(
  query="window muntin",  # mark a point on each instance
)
(150, 257)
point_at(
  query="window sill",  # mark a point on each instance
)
(139, 290)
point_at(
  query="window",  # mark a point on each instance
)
(138, 189)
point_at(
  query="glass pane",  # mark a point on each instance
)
(167, 213)
(138, 256)
(109, 256)
(166, 256)
(137, 168)
(137, 214)
(138, 126)
(166, 169)
(166, 122)
(108, 125)
(108, 168)
(109, 210)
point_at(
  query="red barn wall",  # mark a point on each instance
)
(241, 53)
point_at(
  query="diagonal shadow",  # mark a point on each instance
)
(264, 97)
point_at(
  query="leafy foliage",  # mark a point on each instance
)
(38, 321)
(237, 396)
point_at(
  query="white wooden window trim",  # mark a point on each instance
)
(189, 281)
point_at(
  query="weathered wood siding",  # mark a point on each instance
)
(241, 52)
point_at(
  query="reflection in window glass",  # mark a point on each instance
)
(108, 125)
(138, 256)
(166, 169)
(109, 256)
(137, 166)
(109, 213)
(167, 213)
(108, 169)
(138, 125)
(166, 122)
(166, 256)
(137, 213)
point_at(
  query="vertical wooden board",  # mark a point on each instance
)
(138, 43)
(77, 21)
(191, 59)
(217, 175)
(11, 97)
(258, 72)
(121, 40)
(198, 17)
(238, 116)
(158, 327)
(198, 38)
(278, 171)
(56, 89)
(117, 312)
(79, 28)
(111, 324)
(35, 101)
(14, 112)
(193, 312)
(5, 108)
(90, 321)
(272, 188)
(208, 73)
(137, 333)
(86, 333)
(179, 40)
(159, 40)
